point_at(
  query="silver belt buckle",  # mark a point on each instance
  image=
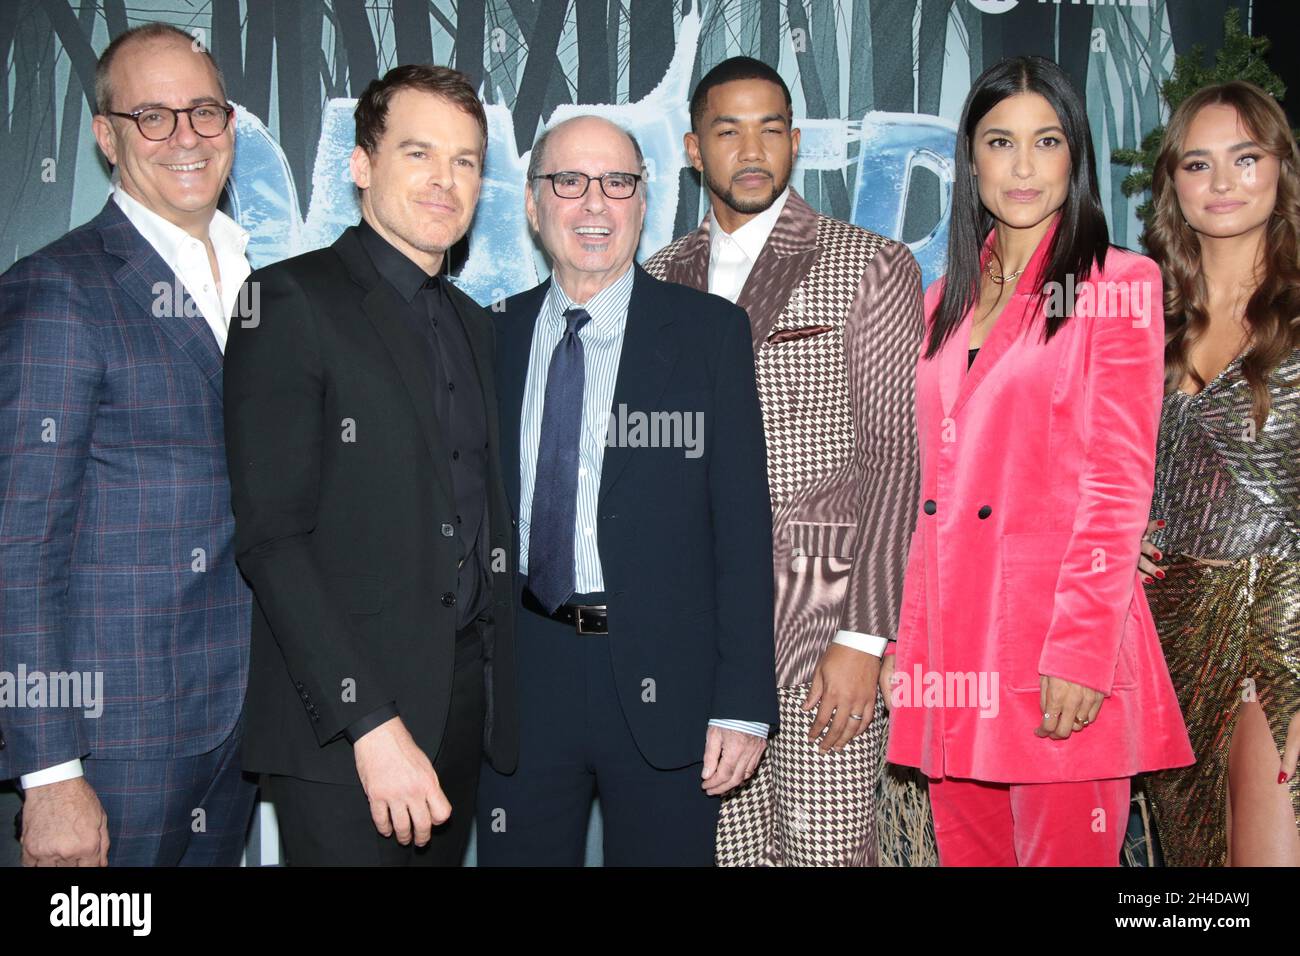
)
(577, 618)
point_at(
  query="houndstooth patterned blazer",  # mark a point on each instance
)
(836, 314)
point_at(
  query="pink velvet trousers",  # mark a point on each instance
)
(1029, 824)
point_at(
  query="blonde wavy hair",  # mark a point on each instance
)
(1273, 310)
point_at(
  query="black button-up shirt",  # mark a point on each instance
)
(462, 418)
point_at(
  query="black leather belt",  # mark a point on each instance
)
(584, 618)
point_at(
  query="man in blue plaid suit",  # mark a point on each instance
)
(124, 623)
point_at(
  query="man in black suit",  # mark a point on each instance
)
(370, 512)
(634, 458)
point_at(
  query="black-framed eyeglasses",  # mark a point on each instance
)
(573, 185)
(157, 123)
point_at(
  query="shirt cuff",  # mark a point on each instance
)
(868, 643)
(363, 725)
(755, 727)
(68, 770)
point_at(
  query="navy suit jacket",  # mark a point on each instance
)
(116, 536)
(685, 543)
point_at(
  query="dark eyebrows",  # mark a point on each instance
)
(1232, 149)
(1037, 132)
(735, 120)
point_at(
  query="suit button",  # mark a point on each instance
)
(448, 531)
(448, 599)
(514, 523)
(985, 512)
(930, 506)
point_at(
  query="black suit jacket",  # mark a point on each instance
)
(685, 542)
(342, 497)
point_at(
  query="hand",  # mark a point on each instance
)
(730, 757)
(1292, 748)
(844, 692)
(400, 784)
(1073, 707)
(887, 676)
(64, 825)
(1149, 555)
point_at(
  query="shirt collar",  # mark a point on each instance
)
(167, 238)
(393, 265)
(753, 235)
(607, 308)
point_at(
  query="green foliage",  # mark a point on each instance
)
(1240, 58)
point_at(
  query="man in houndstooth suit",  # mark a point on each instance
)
(836, 317)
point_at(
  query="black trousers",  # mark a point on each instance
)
(575, 744)
(327, 824)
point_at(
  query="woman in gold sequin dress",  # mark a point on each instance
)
(1223, 571)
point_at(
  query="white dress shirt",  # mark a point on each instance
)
(602, 346)
(731, 259)
(732, 255)
(188, 259)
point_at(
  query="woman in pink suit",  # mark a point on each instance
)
(1028, 681)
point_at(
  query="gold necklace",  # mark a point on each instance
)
(998, 278)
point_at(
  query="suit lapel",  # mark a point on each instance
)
(647, 359)
(479, 333)
(382, 306)
(952, 365)
(1010, 326)
(1000, 338)
(787, 256)
(142, 270)
(690, 266)
(517, 327)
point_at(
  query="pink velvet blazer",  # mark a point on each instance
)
(1036, 480)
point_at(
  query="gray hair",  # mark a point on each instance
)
(146, 31)
(539, 153)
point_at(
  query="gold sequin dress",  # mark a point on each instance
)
(1231, 633)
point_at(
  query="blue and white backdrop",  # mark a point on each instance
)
(877, 87)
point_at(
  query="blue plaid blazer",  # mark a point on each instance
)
(117, 561)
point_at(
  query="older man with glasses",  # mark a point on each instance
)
(634, 459)
(117, 564)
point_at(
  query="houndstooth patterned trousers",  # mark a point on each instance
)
(803, 807)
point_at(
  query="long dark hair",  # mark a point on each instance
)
(1081, 237)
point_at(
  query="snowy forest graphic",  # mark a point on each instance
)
(877, 84)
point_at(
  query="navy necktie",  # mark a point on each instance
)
(555, 489)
